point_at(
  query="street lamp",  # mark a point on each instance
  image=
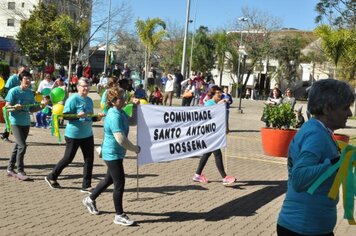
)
(241, 50)
(185, 39)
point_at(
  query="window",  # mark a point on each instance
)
(11, 5)
(11, 22)
(23, 5)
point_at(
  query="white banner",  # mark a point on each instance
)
(171, 133)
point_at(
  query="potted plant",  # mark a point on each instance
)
(277, 134)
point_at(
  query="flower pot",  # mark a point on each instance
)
(275, 142)
(342, 137)
(2, 104)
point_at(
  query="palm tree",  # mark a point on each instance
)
(221, 47)
(150, 37)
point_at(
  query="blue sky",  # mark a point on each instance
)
(215, 14)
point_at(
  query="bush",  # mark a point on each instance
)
(281, 116)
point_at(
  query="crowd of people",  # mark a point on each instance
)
(312, 151)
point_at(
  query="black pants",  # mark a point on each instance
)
(116, 175)
(18, 154)
(72, 145)
(186, 101)
(281, 231)
(218, 162)
(5, 134)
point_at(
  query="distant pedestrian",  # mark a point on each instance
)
(228, 101)
(168, 90)
(116, 129)
(177, 83)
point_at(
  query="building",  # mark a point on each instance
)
(13, 11)
(11, 14)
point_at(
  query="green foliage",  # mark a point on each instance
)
(281, 116)
(39, 40)
(4, 69)
(203, 56)
(148, 33)
(339, 13)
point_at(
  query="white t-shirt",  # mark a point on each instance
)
(169, 85)
(45, 84)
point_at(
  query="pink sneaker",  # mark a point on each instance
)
(228, 180)
(200, 178)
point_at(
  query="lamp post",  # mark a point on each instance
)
(239, 81)
(107, 37)
(185, 39)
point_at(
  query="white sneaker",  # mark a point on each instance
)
(123, 219)
(90, 205)
(98, 150)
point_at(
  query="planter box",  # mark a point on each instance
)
(275, 142)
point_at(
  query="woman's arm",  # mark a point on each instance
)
(123, 141)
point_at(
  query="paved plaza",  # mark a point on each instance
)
(169, 202)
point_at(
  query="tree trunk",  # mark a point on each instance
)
(146, 68)
(221, 74)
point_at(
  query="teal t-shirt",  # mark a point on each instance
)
(210, 102)
(18, 96)
(12, 82)
(81, 128)
(115, 121)
(309, 157)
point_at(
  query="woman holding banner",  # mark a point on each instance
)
(311, 153)
(215, 93)
(114, 148)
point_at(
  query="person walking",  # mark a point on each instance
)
(116, 129)
(78, 133)
(228, 101)
(18, 97)
(313, 151)
(216, 93)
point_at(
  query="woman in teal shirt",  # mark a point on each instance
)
(116, 129)
(20, 122)
(311, 152)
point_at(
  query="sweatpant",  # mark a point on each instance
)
(218, 162)
(115, 175)
(72, 145)
(18, 154)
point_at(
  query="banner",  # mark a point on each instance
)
(171, 133)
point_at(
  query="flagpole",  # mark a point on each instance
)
(137, 170)
(107, 36)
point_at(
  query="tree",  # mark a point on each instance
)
(288, 52)
(37, 38)
(338, 13)
(222, 44)
(337, 44)
(150, 37)
(71, 32)
(203, 56)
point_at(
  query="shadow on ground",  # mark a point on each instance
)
(243, 206)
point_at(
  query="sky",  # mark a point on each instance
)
(217, 14)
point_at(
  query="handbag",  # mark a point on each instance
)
(187, 94)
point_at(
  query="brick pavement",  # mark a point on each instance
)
(169, 202)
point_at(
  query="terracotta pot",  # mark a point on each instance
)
(2, 104)
(342, 137)
(275, 142)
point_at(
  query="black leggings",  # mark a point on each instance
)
(281, 231)
(218, 162)
(72, 145)
(116, 175)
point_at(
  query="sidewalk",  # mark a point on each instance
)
(169, 202)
